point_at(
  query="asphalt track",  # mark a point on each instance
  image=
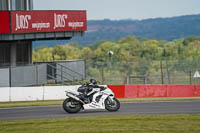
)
(176, 107)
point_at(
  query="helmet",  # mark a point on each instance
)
(93, 81)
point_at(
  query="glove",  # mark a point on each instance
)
(102, 88)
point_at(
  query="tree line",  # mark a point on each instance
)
(132, 56)
(126, 49)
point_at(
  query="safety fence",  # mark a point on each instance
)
(23, 76)
(144, 72)
(142, 91)
(41, 73)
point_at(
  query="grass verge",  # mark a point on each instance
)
(30, 103)
(187, 123)
(59, 102)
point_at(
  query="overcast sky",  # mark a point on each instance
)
(123, 9)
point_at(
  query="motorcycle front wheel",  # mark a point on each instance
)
(112, 105)
(71, 106)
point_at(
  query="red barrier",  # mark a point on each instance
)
(196, 90)
(145, 91)
(139, 91)
(119, 90)
(180, 90)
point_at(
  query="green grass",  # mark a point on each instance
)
(187, 123)
(30, 103)
(59, 102)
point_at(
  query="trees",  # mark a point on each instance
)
(58, 53)
(43, 54)
(131, 56)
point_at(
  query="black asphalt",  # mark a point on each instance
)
(177, 107)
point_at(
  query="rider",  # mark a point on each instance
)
(88, 87)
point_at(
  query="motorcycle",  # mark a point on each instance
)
(89, 97)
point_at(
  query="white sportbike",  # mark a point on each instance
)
(96, 97)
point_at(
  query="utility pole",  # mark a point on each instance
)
(110, 53)
(161, 70)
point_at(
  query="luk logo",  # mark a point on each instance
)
(59, 20)
(22, 21)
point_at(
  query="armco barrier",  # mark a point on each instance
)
(141, 91)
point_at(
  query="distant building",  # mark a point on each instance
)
(20, 25)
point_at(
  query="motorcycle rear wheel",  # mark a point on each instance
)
(112, 106)
(71, 106)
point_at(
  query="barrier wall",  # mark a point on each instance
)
(141, 91)
(4, 94)
(121, 91)
(58, 92)
(34, 93)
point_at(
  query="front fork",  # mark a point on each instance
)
(110, 99)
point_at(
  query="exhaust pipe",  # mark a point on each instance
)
(74, 97)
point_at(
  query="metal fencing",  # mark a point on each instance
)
(4, 77)
(110, 72)
(23, 76)
(64, 71)
(71, 71)
(43, 73)
(144, 72)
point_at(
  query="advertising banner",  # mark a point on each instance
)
(47, 21)
(4, 23)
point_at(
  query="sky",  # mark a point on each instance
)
(123, 9)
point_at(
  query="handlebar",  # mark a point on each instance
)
(102, 88)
